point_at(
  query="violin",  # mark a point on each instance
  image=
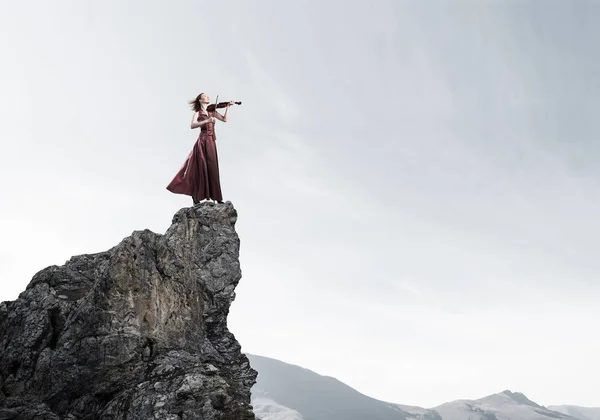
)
(212, 107)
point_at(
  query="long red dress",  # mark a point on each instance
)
(199, 175)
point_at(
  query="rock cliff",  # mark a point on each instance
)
(135, 332)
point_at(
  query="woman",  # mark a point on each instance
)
(199, 175)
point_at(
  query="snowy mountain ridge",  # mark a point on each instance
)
(287, 392)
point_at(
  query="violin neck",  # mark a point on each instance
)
(212, 107)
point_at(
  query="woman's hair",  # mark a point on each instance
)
(195, 103)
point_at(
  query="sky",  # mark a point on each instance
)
(417, 181)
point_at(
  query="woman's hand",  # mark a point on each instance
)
(212, 119)
(230, 103)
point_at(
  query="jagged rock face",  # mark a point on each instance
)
(136, 332)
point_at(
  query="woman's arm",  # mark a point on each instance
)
(222, 117)
(195, 123)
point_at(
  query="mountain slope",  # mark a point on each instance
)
(582, 413)
(267, 409)
(313, 396)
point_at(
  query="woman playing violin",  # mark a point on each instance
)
(199, 175)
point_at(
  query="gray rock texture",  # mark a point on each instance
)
(136, 332)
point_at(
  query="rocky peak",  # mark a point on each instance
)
(520, 398)
(135, 332)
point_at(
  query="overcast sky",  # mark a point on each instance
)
(417, 181)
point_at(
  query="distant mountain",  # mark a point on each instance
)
(288, 392)
(582, 413)
(506, 405)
